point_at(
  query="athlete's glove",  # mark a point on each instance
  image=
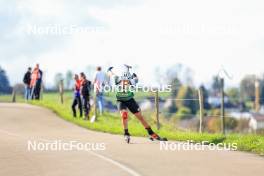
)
(133, 75)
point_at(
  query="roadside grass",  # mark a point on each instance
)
(111, 123)
(8, 98)
(250, 142)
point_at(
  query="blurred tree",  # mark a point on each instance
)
(68, 79)
(186, 96)
(57, 78)
(205, 97)
(4, 82)
(215, 85)
(233, 95)
(175, 85)
(247, 87)
(172, 79)
(172, 108)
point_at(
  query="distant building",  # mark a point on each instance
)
(240, 115)
(256, 122)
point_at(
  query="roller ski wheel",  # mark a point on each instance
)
(155, 137)
(127, 138)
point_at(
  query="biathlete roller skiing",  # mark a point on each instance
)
(126, 101)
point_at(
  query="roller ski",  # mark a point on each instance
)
(155, 137)
(127, 138)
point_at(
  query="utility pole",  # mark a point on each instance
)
(222, 104)
(257, 96)
(201, 105)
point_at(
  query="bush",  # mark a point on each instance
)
(184, 113)
(231, 123)
(242, 125)
(214, 125)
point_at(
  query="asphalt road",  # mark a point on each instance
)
(22, 123)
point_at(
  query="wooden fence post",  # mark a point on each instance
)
(157, 108)
(61, 89)
(201, 105)
(14, 95)
(223, 105)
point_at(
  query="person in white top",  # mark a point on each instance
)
(99, 82)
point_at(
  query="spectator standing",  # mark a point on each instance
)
(36, 81)
(99, 82)
(27, 80)
(77, 96)
(85, 93)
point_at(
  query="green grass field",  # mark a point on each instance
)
(111, 123)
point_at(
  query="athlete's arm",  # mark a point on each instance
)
(134, 79)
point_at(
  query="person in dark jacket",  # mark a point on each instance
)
(27, 80)
(77, 96)
(85, 93)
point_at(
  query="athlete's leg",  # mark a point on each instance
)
(144, 123)
(134, 108)
(38, 87)
(85, 107)
(141, 119)
(74, 103)
(79, 102)
(124, 116)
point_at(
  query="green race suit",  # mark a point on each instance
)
(123, 94)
